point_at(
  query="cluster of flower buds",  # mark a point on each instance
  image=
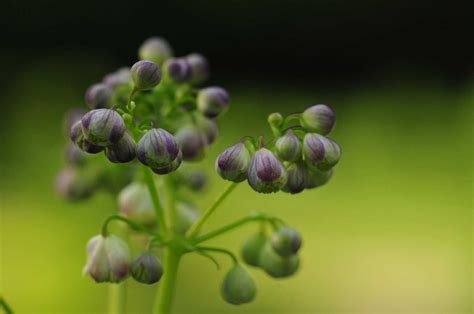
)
(302, 157)
(275, 255)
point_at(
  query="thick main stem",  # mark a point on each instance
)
(167, 285)
(117, 298)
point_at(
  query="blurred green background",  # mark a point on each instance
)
(390, 233)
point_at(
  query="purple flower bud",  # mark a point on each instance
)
(147, 269)
(123, 151)
(135, 203)
(319, 119)
(77, 136)
(212, 101)
(210, 129)
(74, 155)
(286, 241)
(98, 96)
(145, 75)
(103, 127)
(108, 259)
(199, 68)
(238, 286)
(70, 185)
(278, 266)
(156, 49)
(173, 166)
(233, 163)
(157, 148)
(120, 77)
(316, 178)
(193, 143)
(296, 178)
(266, 173)
(288, 147)
(178, 69)
(187, 215)
(320, 152)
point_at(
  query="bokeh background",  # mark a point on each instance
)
(392, 232)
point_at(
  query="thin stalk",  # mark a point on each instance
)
(195, 228)
(117, 298)
(219, 250)
(5, 306)
(155, 199)
(135, 226)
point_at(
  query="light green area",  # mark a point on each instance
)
(392, 231)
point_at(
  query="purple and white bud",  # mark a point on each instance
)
(199, 68)
(319, 119)
(233, 163)
(72, 186)
(103, 127)
(120, 77)
(98, 96)
(266, 174)
(193, 143)
(178, 69)
(125, 150)
(288, 147)
(296, 178)
(173, 166)
(286, 241)
(108, 259)
(77, 137)
(147, 269)
(135, 203)
(157, 148)
(320, 152)
(212, 101)
(316, 178)
(155, 49)
(145, 75)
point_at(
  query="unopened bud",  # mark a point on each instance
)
(199, 68)
(123, 151)
(171, 167)
(252, 248)
(319, 119)
(145, 75)
(103, 127)
(278, 266)
(316, 178)
(266, 173)
(155, 49)
(233, 163)
(212, 101)
(77, 137)
(238, 286)
(193, 143)
(178, 69)
(157, 148)
(286, 241)
(296, 178)
(288, 147)
(320, 152)
(136, 204)
(98, 96)
(146, 269)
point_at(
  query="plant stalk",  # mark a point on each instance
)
(155, 199)
(166, 290)
(117, 298)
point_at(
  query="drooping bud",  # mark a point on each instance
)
(193, 143)
(74, 155)
(173, 166)
(120, 77)
(70, 185)
(316, 178)
(275, 119)
(320, 152)
(199, 68)
(252, 248)
(266, 173)
(108, 259)
(135, 203)
(77, 136)
(278, 266)
(103, 127)
(319, 119)
(157, 148)
(286, 241)
(178, 69)
(288, 147)
(212, 101)
(186, 214)
(145, 75)
(233, 163)
(238, 286)
(98, 96)
(123, 151)
(296, 178)
(155, 49)
(146, 269)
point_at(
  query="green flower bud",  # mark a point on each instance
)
(252, 248)
(319, 119)
(286, 241)
(98, 96)
(123, 151)
(233, 163)
(316, 178)
(187, 215)
(212, 101)
(266, 173)
(73, 186)
(103, 127)
(320, 152)
(135, 204)
(277, 266)
(146, 269)
(199, 68)
(157, 149)
(288, 147)
(108, 259)
(275, 119)
(238, 286)
(173, 166)
(77, 136)
(155, 49)
(296, 178)
(145, 75)
(193, 143)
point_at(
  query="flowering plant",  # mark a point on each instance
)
(149, 121)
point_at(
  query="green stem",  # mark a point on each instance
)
(156, 201)
(194, 230)
(5, 306)
(219, 250)
(166, 289)
(117, 298)
(135, 226)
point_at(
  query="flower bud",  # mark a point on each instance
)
(275, 119)
(70, 185)
(145, 75)
(173, 166)
(210, 129)
(155, 49)
(296, 178)
(71, 117)
(98, 96)
(286, 241)
(135, 203)
(320, 152)
(278, 266)
(266, 174)
(120, 77)
(103, 127)
(187, 215)
(146, 269)
(199, 68)
(233, 163)
(74, 155)
(288, 147)
(193, 143)
(108, 259)
(316, 178)
(123, 151)
(252, 248)
(77, 136)
(157, 148)
(212, 101)
(178, 69)
(319, 119)
(238, 286)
